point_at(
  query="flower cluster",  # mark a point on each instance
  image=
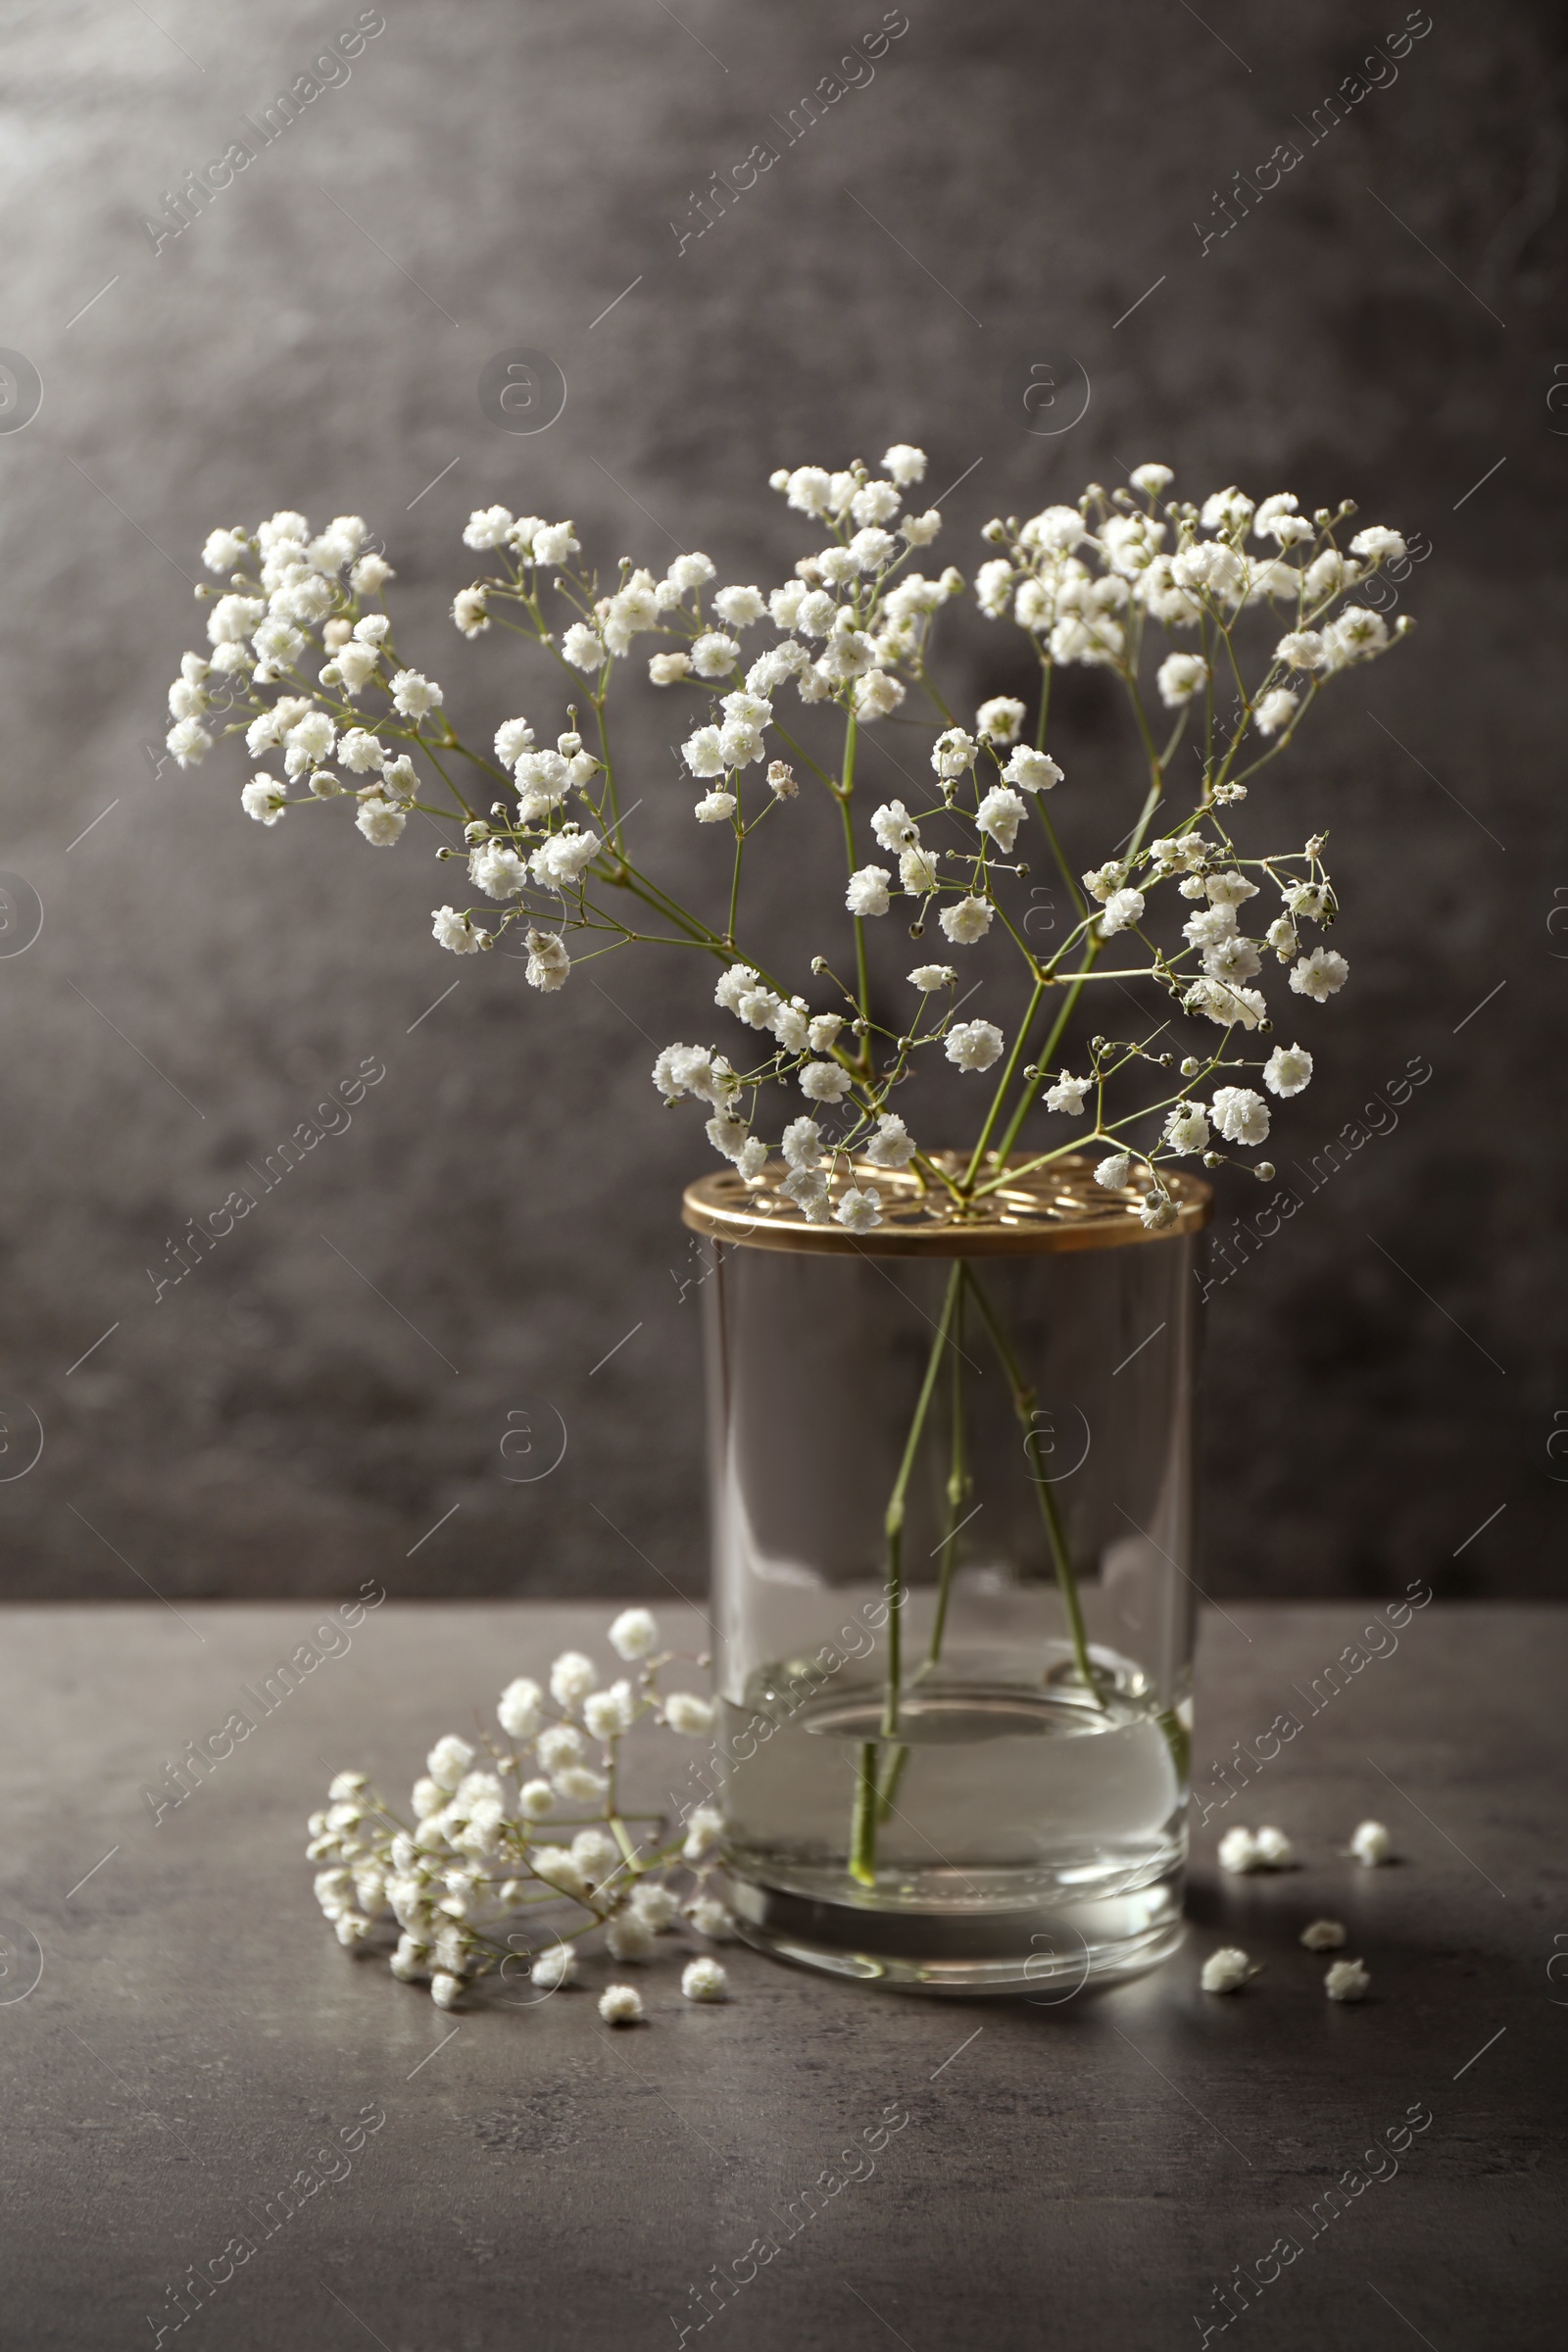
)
(847, 641)
(517, 1849)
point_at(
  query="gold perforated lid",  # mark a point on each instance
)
(1059, 1206)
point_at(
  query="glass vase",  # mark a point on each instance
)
(952, 1499)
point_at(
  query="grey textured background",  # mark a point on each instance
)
(271, 1426)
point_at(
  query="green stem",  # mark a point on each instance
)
(1000, 1095)
(863, 1841)
(1023, 1401)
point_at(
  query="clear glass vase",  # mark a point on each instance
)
(951, 1494)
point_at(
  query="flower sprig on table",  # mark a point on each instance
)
(509, 1857)
(548, 850)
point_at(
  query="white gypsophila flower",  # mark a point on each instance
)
(823, 1030)
(713, 808)
(357, 664)
(728, 1135)
(225, 550)
(904, 462)
(468, 612)
(1179, 677)
(555, 1968)
(1238, 1852)
(446, 1991)
(557, 1866)
(1308, 902)
(610, 1713)
(537, 1799)
(740, 607)
(1227, 1970)
(1275, 711)
(633, 1634)
(233, 618)
(548, 961)
(264, 798)
(894, 827)
(993, 583)
(1241, 1116)
(1323, 1935)
(580, 1785)
(667, 670)
(872, 549)
(1209, 927)
(552, 543)
(1178, 852)
(791, 1027)
(572, 1676)
(802, 1143)
(877, 695)
(1371, 1844)
(1157, 1211)
(561, 862)
(414, 695)
(713, 655)
(710, 1917)
(455, 932)
(689, 571)
(824, 1082)
(705, 1830)
(513, 737)
(1229, 889)
(974, 1045)
(655, 1905)
(1114, 1172)
(1282, 936)
(1067, 1095)
(875, 503)
(704, 1979)
(1104, 881)
(1346, 1981)
(1375, 543)
(953, 753)
(496, 870)
(999, 719)
(704, 752)
(917, 872)
(891, 1147)
(370, 575)
(380, 823)
(187, 699)
(519, 1708)
(449, 1760)
(429, 1796)
(929, 977)
(189, 742)
(741, 743)
(860, 1211)
(621, 2005)
(1301, 649)
(1227, 1002)
(867, 890)
(361, 752)
(1288, 1070)
(966, 921)
(999, 813)
(1187, 1128)
(1358, 635)
(1151, 479)
(583, 646)
(488, 527)
(1031, 771)
(1123, 909)
(596, 1855)
(1232, 960)
(1321, 975)
(1274, 1849)
(1227, 511)
(629, 1937)
(689, 1715)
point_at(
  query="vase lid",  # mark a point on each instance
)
(1036, 1208)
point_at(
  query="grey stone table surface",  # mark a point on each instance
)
(1085, 2171)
